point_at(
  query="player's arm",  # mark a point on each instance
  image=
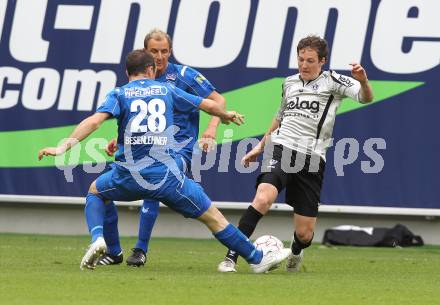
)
(259, 148)
(221, 101)
(207, 140)
(359, 74)
(185, 102)
(273, 126)
(213, 108)
(82, 131)
(203, 88)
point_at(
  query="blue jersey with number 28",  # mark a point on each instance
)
(144, 110)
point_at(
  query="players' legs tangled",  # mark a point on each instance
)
(265, 196)
(190, 200)
(233, 239)
(185, 197)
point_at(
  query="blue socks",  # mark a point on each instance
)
(149, 212)
(111, 233)
(94, 212)
(233, 239)
(148, 215)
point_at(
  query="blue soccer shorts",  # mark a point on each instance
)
(181, 194)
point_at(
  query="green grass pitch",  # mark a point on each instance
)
(36, 269)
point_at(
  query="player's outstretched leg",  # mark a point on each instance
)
(191, 201)
(246, 225)
(265, 196)
(113, 255)
(231, 237)
(94, 213)
(148, 215)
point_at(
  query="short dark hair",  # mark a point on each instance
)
(316, 43)
(137, 61)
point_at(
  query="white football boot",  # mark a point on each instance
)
(271, 260)
(294, 262)
(226, 266)
(94, 252)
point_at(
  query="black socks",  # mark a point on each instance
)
(298, 245)
(246, 225)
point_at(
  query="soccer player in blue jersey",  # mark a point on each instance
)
(145, 163)
(159, 44)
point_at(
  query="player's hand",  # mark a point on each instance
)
(358, 72)
(207, 141)
(111, 148)
(251, 156)
(49, 151)
(234, 117)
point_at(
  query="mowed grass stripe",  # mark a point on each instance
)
(37, 269)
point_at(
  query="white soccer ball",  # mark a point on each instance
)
(268, 242)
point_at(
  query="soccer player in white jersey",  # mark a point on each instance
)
(295, 145)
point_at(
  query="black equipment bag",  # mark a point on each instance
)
(398, 236)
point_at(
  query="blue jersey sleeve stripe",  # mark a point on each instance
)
(183, 70)
(196, 91)
(114, 107)
(189, 85)
(186, 100)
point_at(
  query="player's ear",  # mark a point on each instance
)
(151, 71)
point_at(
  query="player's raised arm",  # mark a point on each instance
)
(359, 74)
(82, 131)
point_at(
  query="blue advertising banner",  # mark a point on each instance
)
(59, 58)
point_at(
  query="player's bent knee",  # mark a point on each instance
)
(298, 244)
(305, 235)
(263, 201)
